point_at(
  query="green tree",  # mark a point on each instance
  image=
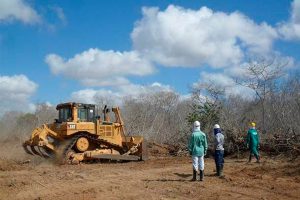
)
(206, 108)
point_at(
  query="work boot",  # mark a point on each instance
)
(218, 170)
(221, 170)
(201, 175)
(257, 159)
(194, 175)
(250, 158)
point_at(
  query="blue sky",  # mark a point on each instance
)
(54, 51)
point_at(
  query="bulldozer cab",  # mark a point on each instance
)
(75, 112)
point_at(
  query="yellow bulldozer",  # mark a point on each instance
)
(79, 135)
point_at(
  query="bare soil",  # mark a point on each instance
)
(161, 177)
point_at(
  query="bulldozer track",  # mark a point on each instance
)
(69, 147)
(93, 139)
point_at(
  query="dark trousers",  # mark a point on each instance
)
(219, 158)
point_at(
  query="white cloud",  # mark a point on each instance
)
(97, 96)
(291, 29)
(95, 67)
(60, 14)
(226, 82)
(218, 79)
(18, 10)
(21, 10)
(135, 90)
(116, 96)
(185, 37)
(174, 37)
(55, 18)
(15, 92)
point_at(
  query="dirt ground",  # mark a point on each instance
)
(161, 177)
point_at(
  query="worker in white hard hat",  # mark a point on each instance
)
(219, 149)
(253, 142)
(197, 148)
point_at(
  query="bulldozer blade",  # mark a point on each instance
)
(44, 152)
(35, 151)
(25, 146)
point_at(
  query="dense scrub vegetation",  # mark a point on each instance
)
(165, 117)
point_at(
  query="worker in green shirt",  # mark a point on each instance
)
(253, 142)
(197, 148)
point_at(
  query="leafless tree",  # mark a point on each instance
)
(45, 113)
(261, 76)
(159, 116)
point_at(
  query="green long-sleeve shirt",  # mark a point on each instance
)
(253, 140)
(197, 144)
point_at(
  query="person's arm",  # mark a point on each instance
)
(248, 138)
(205, 145)
(258, 139)
(222, 138)
(190, 145)
(217, 140)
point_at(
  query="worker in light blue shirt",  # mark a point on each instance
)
(219, 149)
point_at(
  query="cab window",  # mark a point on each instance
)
(82, 114)
(86, 114)
(65, 114)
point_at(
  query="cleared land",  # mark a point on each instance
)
(161, 177)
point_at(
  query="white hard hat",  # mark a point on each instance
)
(196, 124)
(216, 126)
